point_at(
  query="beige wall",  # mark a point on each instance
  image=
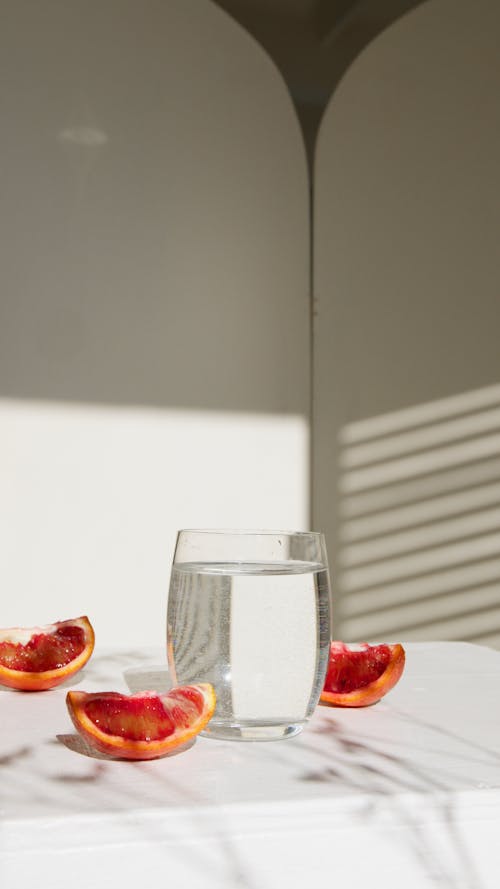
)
(154, 314)
(407, 320)
(154, 307)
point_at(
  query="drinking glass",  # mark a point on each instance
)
(249, 612)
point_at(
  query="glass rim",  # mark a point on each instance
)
(251, 532)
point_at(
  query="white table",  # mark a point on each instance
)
(404, 793)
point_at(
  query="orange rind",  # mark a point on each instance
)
(39, 658)
(141, 726)
(362, 675)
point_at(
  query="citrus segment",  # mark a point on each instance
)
(141, 726)
(38, 658)
(360, 676)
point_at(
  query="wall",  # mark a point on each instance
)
(154, 308)
(407, 312)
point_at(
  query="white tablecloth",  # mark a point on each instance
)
(404, 793)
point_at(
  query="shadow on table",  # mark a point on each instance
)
(13, 757)
(78, 745)
(68, 683)
(148, 678)
(391, 781)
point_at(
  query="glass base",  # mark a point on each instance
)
(248, 732)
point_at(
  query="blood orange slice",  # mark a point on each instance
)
(141, 726)
(38, 658)
(361, 675)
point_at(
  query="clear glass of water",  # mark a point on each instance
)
(249, 612)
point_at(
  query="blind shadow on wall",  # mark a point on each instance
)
(419, 554)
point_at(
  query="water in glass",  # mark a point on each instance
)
(260, 633)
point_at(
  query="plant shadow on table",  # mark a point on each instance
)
(395, 785)
(232, 865)
(10, 758)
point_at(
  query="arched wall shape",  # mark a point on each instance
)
(154, 334)
(406, 426)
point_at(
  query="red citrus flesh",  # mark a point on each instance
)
(141, 726)
(39, 658)
(360, 676)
